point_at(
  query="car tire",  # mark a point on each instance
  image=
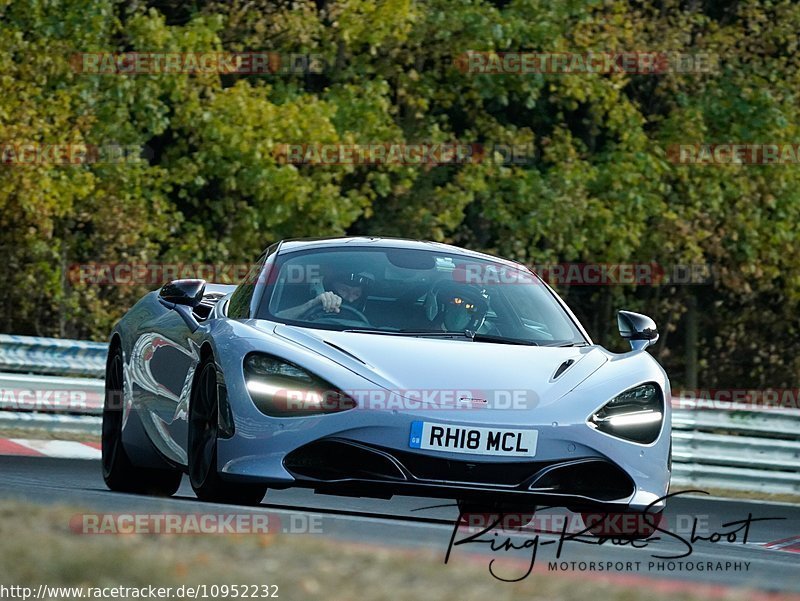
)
(119, 473)
(202, 445)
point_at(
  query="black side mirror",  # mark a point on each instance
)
(182, 296)
(183, 292)
(638, 329)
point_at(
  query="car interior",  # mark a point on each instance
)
(411, 295)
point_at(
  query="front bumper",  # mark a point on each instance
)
(366, 453)
(347, 467)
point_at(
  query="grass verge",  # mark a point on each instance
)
(43, 434)
(39, 547)
(744, 495)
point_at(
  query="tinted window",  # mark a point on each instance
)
(413, 290)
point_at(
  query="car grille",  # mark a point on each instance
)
(335, 460)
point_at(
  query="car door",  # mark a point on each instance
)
(160, 371)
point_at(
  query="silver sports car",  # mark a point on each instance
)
(374, 367)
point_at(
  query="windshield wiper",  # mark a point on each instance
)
(434, 334)
(422, 333)
(567, 344)
(500, 339)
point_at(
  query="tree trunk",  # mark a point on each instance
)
(691, 343)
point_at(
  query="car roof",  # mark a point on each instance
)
(297, 244)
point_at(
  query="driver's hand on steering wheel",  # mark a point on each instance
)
(330, 302)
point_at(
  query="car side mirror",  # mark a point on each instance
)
(183, 296)
(637, 329)
(183, 292)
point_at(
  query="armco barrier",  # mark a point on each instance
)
(26, 354)
(51, 403)
(756, 450)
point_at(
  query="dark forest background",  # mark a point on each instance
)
(601, 188)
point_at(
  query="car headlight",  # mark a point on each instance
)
(634, 415)
(281, 389)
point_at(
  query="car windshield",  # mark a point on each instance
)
(414, 292)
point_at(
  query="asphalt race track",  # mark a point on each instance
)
(414, 522)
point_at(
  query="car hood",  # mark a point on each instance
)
(431, 367)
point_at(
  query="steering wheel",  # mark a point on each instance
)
(318, 311)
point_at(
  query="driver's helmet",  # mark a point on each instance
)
(457, 307)
(361, 279)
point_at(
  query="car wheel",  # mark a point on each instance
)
(476, 515)
(203, 431)
(119, 472)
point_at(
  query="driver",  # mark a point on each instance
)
(338, 287)
(455, 307)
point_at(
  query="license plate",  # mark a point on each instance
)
(476, 441)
